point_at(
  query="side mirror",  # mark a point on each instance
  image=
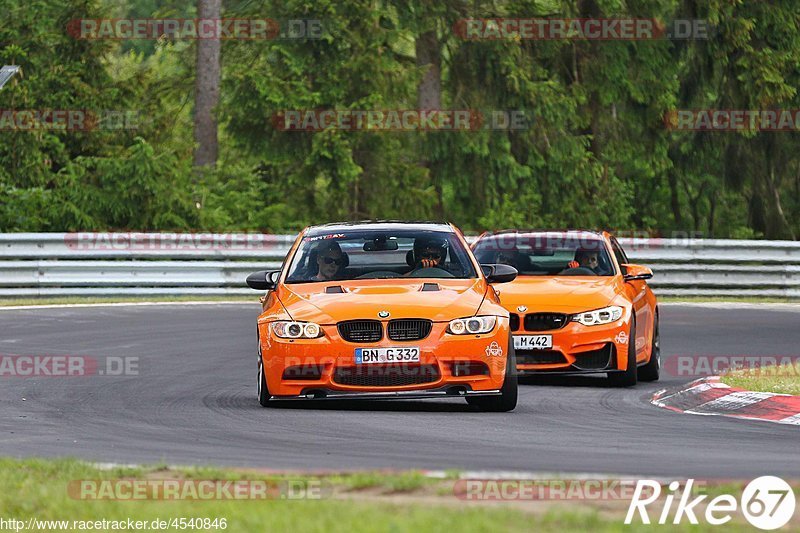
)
(263, 280)
(499, 273)
(633, 272)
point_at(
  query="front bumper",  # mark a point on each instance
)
(452, 391)
(579, 349)
(439, 372)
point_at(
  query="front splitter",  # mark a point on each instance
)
(445, 392)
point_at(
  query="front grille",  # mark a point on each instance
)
(540, 357)
(360, 330)
(385, 376)
(409, 329)
(594, 360)
(545, 321)
(514, 322)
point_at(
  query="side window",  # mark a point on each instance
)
(618, 252)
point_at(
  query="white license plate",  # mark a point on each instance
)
(533, 342)
(366, 356)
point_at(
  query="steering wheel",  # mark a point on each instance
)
(431, 272)
(379, 274)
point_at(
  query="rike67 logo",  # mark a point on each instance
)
(767, 502)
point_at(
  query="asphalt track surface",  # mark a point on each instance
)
(193, 402)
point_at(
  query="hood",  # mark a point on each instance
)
(568, 294)
(366, 298)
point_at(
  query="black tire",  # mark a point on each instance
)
(627, 378)
(650, 371)
(507, 400)
(263, 390)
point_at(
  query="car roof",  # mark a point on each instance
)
(379, 225)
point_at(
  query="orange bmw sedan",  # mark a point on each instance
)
(578, 305)
(384, 310)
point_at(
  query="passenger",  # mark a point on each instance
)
(330, 261)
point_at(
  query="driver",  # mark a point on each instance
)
(429, 252)
(586, 259)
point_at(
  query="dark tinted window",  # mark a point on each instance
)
(548, 254)
(378, 254)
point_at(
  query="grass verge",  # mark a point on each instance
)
(783, 379)
(370, 501)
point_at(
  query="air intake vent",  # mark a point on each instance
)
(334, 289)
(594, 360)
(430, 287)
(540, 357)
(409, 329)
(361, 330)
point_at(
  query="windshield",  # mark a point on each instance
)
(372, 254)
(547, 254)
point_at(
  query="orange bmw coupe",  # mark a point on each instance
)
(384, 310)
(578, 304)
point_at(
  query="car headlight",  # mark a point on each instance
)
(473, 325)
(606, 315)
(296, 330)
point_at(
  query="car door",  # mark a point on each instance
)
(637, 292)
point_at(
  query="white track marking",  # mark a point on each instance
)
(793, 420)
(734, 401)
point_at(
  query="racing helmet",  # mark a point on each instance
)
(421, 244)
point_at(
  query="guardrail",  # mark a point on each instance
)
(104, 264)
